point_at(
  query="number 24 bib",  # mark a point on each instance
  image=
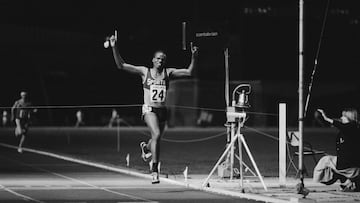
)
(157, 93)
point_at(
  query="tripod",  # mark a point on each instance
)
(235, 121)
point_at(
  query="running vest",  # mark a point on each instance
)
(157, 87)
(21, 109)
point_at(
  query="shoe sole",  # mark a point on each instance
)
(144, 156)
(155, 182)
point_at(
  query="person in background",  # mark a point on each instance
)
(5, 118)
(20, 114)
(79, 119)
(114, 118)
(345, 166)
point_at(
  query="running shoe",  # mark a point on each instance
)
(155, 178)
(145, 153)
(350, 187)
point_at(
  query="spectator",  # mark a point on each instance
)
(5, 118)
(114, 118)
(79, 119)
(345, 166)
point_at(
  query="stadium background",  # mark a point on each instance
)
(55, 51)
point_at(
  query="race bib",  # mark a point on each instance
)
(157, 93)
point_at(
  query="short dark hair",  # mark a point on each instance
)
(159, 51)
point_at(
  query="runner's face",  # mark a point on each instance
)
(159, 59)
(23, 95)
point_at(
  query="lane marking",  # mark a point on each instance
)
(219, 191)
(20, 195)
(70, 187)
(96, 187)
(81, 182)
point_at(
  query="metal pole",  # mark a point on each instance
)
(118, 133)
(301, 105)
(226, 53)
(227, 94)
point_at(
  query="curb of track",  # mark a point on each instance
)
(250, 196)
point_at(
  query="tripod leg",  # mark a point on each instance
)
(252, 161)
(247, 168)
(241, 164)
(219, 161)
(232, 151)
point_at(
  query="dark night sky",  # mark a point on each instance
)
(55, 48)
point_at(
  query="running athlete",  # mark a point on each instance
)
(155, 82)
(20, 114)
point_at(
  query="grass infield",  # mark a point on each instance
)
(197, 148)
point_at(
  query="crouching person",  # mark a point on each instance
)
(345, 166)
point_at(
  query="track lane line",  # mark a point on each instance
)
(27, 198)
(80, 181)
(256, 197)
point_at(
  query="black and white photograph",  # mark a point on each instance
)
(180, 101)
